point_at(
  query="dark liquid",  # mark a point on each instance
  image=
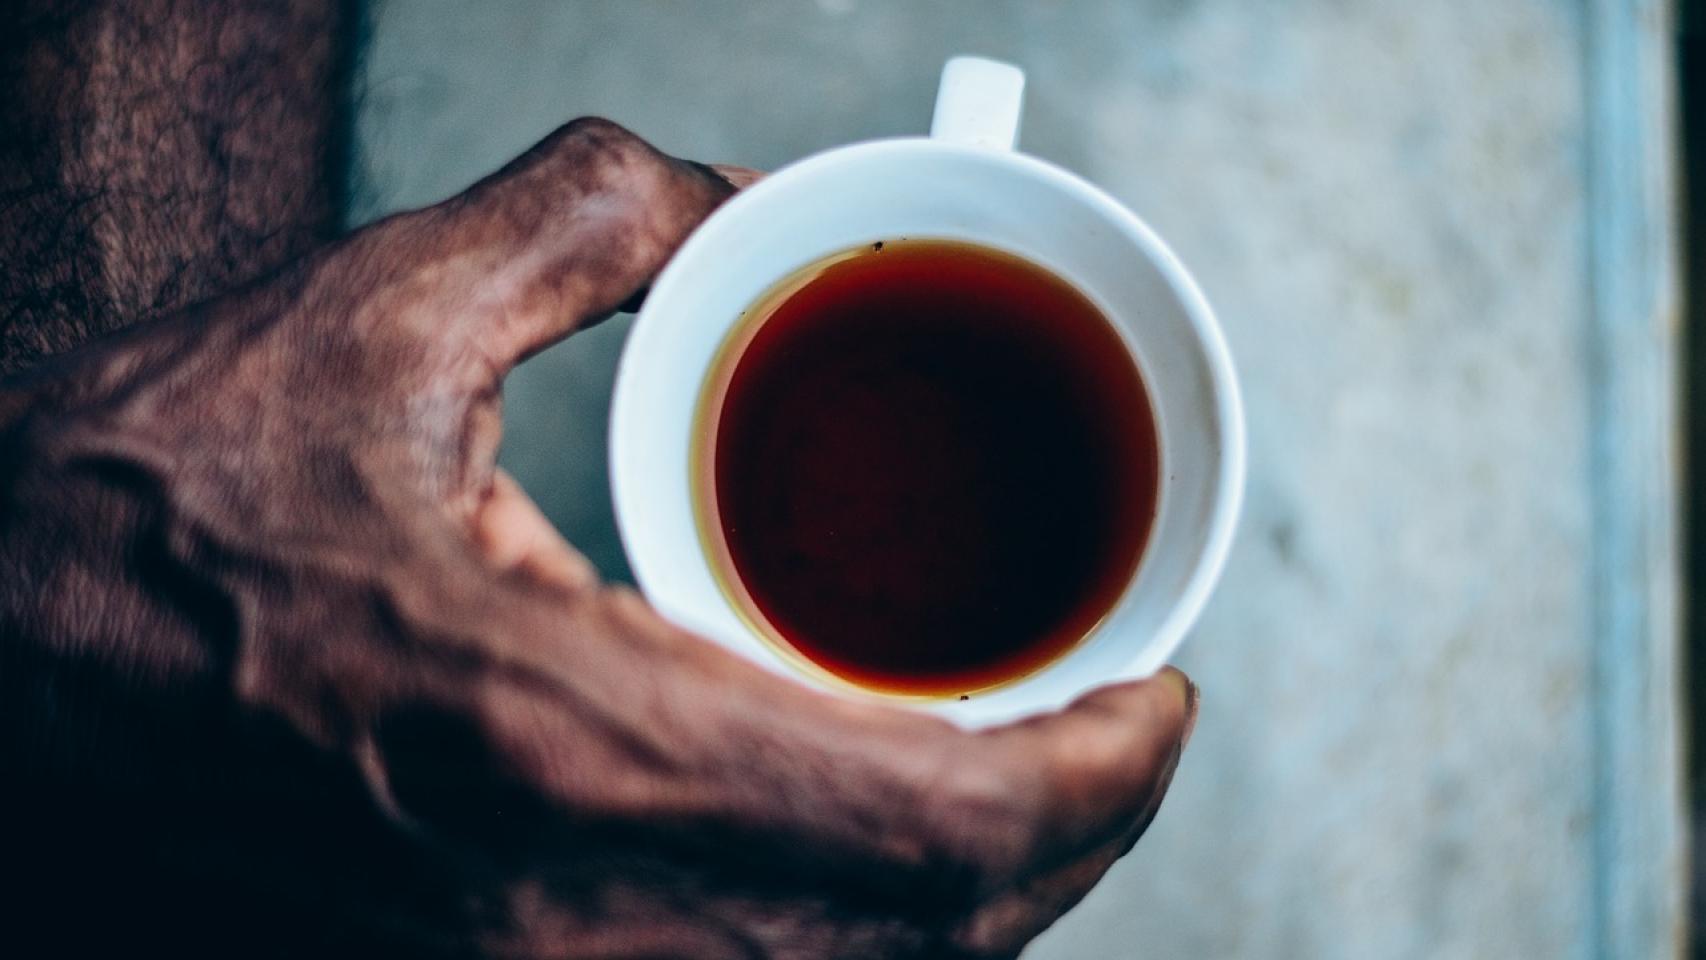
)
(935, 467)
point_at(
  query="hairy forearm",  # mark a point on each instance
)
(154, 152)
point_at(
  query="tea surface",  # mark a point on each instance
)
(931, 466)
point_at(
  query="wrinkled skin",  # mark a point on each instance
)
(331, 680)
(288, 668)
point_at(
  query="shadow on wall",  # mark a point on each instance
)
(1691, 54)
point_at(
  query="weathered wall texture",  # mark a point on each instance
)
(1385, 202)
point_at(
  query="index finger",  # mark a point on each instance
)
(556, 240)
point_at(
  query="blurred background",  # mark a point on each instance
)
(1440, 676)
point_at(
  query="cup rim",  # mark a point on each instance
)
(1221, 527)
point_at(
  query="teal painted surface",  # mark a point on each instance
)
(1436, 675)
(1639, 837)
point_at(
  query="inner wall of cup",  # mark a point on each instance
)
(901, 189)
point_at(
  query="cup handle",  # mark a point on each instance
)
(978, 103)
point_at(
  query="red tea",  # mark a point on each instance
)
(927, 467)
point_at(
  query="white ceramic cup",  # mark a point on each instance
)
(964, 182)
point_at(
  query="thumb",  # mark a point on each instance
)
(559, 238)
(1092, 770)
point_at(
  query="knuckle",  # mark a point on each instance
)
(597, 130)
(603, 134)
(585, 157)
(599, 146)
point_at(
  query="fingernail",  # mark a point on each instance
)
(1193, 699)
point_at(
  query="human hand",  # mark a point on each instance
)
(287, 667)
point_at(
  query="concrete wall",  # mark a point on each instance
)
(1385, 200)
